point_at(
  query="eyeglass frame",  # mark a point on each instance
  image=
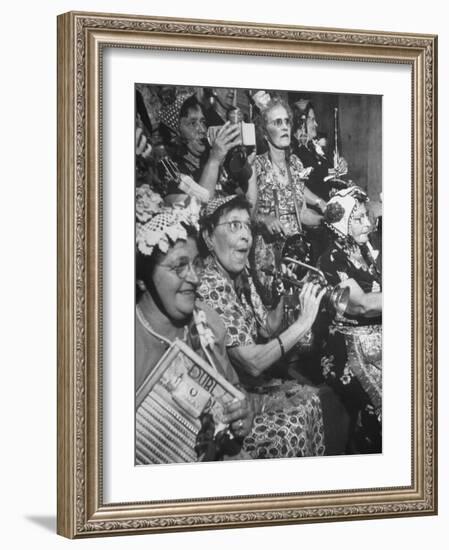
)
(248, 225)
(278, 122)
(179, 269)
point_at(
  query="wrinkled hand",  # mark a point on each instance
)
(239, 414)
(227, 137)
(310, 298)
(273, 225)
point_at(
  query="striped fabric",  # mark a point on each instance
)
(163, 434)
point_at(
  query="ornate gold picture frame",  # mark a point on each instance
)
(83, 39)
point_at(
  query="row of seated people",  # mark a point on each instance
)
(181, 125)
(280, 205)
(183, 269)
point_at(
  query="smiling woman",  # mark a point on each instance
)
(175, 403)
(167, 277)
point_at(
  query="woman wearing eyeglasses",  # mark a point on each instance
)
(282, 196)
(254, 341)
(169, 271)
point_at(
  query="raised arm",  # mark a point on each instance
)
(256, 358)
(227, 137)
(252, 192)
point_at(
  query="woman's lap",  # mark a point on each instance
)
(290, 425)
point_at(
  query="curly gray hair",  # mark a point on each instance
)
(274, 102)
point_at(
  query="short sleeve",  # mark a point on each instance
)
(239, 319)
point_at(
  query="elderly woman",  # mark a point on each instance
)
(254, 341)
(282, 196)
(169, 271)
(353, 352)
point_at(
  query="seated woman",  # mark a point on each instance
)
(353, 351)
(282, 196)
(307, 146)
(254, 342)
(189, 149)
(169, 271)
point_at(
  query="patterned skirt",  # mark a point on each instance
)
(352, 365)
(290, 424)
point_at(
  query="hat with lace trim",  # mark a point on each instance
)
(159, 225)
(341, 207)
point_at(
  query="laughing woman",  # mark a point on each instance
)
(169, 270)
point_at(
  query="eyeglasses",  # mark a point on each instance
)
(183, 267)
(236, 225)
(279, 122)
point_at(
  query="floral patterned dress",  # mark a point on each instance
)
(269, 185)
(352, 360)
(289, 420)
(276, 196)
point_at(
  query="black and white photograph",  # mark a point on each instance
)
(258, 271)
(238, 345)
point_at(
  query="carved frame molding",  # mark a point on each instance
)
(81, 39)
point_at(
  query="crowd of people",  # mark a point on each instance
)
(244, 215)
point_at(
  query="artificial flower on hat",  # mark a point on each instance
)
(148, 203)
(341, 206)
